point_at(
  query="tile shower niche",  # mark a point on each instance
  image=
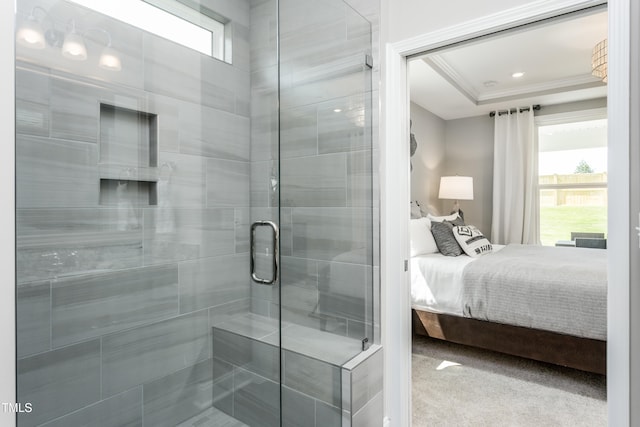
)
(128, 157)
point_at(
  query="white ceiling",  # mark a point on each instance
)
(555, 57)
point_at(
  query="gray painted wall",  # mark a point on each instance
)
(429, 158)
(453, 147)
(469, 152)
(572, 106)
(464, 147)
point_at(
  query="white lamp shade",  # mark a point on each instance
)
(73, 47)
(109, 59)
(30, 34)
(456, 188)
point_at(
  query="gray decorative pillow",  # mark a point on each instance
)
(445, 240)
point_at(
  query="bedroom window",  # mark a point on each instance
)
(572, 170)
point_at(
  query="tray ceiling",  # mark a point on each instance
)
(476, 78)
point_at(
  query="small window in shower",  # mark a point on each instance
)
(202, 30)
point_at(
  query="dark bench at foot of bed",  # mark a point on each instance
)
(580, 353)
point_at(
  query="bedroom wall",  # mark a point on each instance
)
(453, 147)
(469, 152)
(572, 106)
(429, 158)
(463, 147)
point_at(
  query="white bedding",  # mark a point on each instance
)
(436, 282)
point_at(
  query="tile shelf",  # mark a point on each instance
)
(128, 163)
(128, 173)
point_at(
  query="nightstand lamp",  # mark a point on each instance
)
(456, 188)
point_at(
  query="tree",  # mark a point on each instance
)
(583, 167)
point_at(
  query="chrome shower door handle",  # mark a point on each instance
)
(276, 237)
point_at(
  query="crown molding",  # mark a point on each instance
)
(583, 81)
(450, 74)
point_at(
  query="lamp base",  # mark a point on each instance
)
(456, 208)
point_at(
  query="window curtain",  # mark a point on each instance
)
(516, 217)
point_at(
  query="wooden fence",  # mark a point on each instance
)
(581, 195)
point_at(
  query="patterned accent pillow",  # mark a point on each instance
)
(445, 240)
(471, 240)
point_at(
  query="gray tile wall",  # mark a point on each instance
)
(59, 381)
(115, 302)
(121, 410)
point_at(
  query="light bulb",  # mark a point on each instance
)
(30, 34)
(73, 47)
(109, 59)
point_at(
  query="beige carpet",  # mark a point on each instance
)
(456, 385)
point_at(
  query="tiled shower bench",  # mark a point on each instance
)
(323, 384)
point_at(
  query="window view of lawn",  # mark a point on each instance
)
(572, 178)
(557, 222)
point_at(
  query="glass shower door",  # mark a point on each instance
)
(133, 213)
(326, 205)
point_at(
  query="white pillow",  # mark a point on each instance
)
(471, 240)
(451, 217)
(422, 241)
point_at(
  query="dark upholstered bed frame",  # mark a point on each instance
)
(580, 353)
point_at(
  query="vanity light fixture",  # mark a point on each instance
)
(30, 34)
(73, 46)
(109, 59)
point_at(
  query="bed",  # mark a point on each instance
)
(543, 303)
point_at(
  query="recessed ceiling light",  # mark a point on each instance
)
(517, 75)
(490, 83)
(337, 110)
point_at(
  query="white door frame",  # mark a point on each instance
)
(395, 186)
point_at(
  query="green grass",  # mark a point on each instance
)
(557, 223)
